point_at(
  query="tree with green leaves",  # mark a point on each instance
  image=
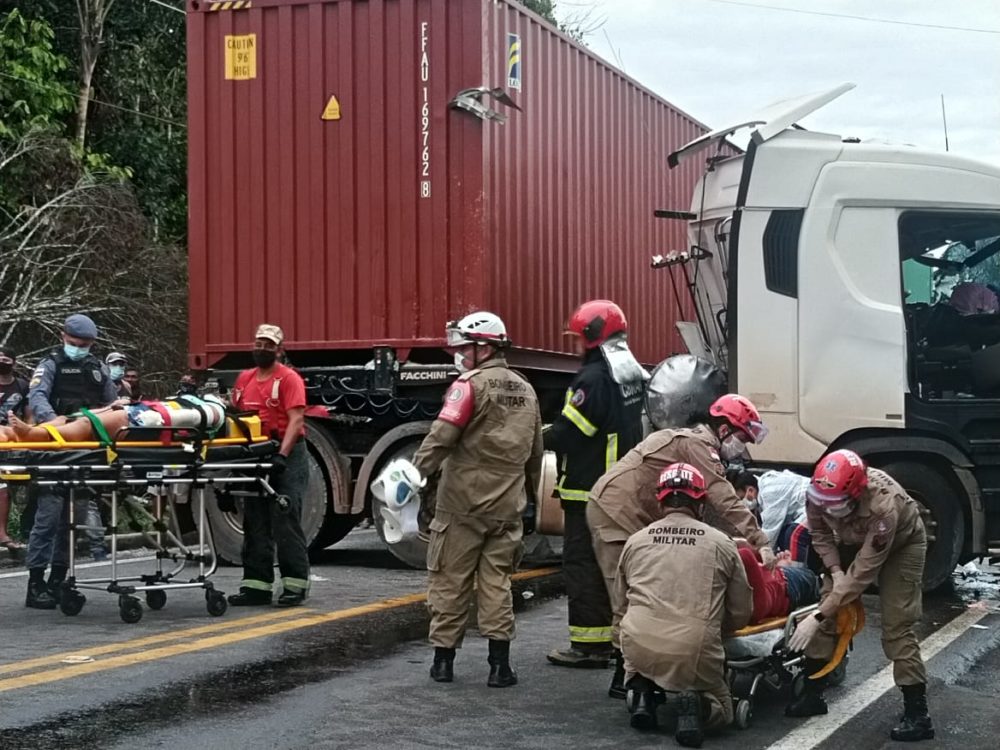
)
(31, 98)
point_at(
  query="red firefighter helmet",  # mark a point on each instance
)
(597, 321)
(838, 477)
(740, 414)
(680, 478)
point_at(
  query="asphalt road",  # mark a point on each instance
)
(350, 671)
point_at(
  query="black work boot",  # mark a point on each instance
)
(811, 702)
(442, 670)
(617, 688)
(641, 703)
(291, 598)
(691, 714)
(501, 674)
(38, 592)
(916, 724)
(57, 574)
(581, 658)
(250, 598)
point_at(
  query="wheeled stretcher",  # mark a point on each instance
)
(170, 465)
(758, 656)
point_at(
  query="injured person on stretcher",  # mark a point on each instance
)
(777, 593)
(207, 413)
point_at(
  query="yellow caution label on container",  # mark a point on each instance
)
(241, 57)
(332, 110)
(232, 5)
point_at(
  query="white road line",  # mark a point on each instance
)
(126, 561)
(819, 728)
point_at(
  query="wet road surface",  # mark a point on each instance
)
(323, 678)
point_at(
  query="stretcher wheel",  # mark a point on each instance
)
(215, 603)
(744, 713)
(742, 684)
(130, 609)
(156, 599)
(71, 602)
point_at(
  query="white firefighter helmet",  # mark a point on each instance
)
(478, 328)
(397, 489)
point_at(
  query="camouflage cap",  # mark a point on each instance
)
(270, 332)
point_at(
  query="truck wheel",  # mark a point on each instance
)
(941, 507)
(413, 551)
(335, 471)
(227, 528)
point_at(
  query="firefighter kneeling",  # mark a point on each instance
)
(683, 584)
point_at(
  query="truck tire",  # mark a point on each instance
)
(941, 505)
(539, 549)
(336, 473)
(317, 513)
(411, 552)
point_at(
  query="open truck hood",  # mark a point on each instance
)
(712, 208)
(767, 123)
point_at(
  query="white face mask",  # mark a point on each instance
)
(460, 362)
(732, 448)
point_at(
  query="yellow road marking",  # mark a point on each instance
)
(163, 652)
(172, 635)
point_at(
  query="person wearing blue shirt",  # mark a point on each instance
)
(69, 379)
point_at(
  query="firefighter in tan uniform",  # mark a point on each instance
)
(683, 584)
(866, 509)
(624, 499)
(487, 442)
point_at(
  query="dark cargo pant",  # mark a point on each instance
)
(49, 538)
(266, 526)
(589, 604)
(900, 583)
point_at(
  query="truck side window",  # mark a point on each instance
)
(950, 272)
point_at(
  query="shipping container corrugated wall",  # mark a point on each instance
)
(334, 192)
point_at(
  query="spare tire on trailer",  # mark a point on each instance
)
(321, 526)
(941, 504)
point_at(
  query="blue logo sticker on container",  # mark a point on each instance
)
(514, 61)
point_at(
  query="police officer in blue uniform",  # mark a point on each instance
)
(69, 379)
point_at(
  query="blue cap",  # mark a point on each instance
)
(80, 326)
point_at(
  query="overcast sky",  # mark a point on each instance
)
(722, 60)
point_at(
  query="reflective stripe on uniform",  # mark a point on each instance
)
(576, 417)
(249, 583)
(565, 493)
(611, 452)
(590, 635)
(298, 585)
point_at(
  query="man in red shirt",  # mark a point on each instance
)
(778, 592)
(278, 394)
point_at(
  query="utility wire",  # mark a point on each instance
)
(167, 6)
(856, 18)
(63, 90)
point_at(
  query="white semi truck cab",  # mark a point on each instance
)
(850, 290)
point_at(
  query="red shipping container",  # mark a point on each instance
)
(335, 192)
